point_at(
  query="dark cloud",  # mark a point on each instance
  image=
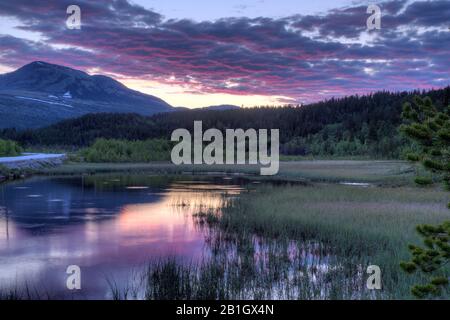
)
(301, 57)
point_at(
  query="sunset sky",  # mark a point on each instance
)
(203, 52)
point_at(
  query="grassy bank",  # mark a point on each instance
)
(378, 172)
(13, 174)
(369, 217)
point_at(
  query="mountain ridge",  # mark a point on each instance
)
(40, 93)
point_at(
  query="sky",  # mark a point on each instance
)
(254, 52)
(201, 10)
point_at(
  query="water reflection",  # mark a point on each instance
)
(117, 228)
(107, 225)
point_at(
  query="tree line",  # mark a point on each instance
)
(355, 125)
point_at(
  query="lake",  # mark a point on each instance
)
(110, 226)
(153, 237)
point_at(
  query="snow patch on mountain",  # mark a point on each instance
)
(67, 95)
(44, 101)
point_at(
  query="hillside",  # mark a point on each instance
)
(39, 94)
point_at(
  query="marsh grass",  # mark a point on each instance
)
(379, 172)
(25, 292)
(247, 271)
(360, 226)
(301, 242)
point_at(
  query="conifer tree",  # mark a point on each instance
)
(430, 128)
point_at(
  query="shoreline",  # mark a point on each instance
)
(375, 172)
(369, 172)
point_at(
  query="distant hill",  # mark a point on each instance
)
(222, 107)
(39, 94)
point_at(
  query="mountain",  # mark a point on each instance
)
(222, 107)
(39, 94)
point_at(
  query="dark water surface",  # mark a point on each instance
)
(110, 226)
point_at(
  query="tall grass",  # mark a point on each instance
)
(360, 226)
(25, 292)
(302, 242)
(255, 269)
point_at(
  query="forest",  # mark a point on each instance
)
(366, 126)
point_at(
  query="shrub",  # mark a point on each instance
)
(9, 148)
(104, 150)
(423, 181)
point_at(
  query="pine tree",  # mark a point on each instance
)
(430, 128)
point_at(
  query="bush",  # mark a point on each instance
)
(423, 181)
(104, 150)
(9, 148)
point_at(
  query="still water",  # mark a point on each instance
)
(109, 226)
